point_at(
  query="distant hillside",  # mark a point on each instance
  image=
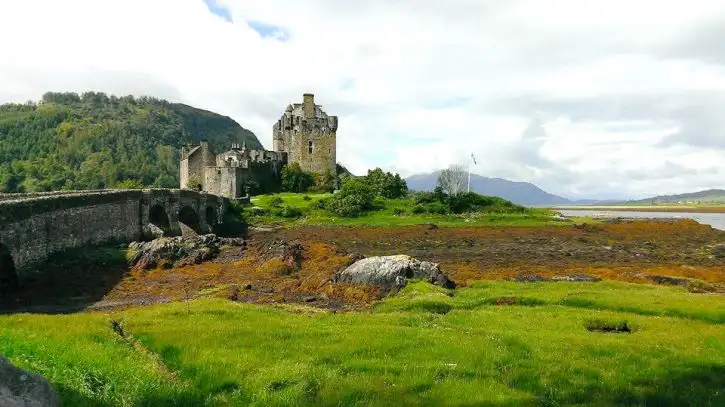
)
(522, 193)
(707, 196)
(70, 141)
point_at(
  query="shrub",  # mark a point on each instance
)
(257, 211)
(398, 211)
(418, 209)
(386, 184)
(306, 198)
(355, 197)
(425, 197)
(294, 179)
(473, 202)
(321, 204)
(349, 206)
(323, 182)
(288, 212)
(276, 202)
(436, 208)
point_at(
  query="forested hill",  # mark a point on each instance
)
(90, 141)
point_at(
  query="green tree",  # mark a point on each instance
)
(386, 184)
(294, 179)
(355, 197)
(70, 141)
(129, 184)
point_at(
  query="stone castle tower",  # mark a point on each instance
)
(308, 136)
(305, 135)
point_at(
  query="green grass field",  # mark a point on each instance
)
(393, 212)
(425, 346)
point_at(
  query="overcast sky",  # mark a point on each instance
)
(584, 98)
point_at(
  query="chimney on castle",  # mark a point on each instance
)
(308, 107)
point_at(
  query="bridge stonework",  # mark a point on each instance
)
(33, 226)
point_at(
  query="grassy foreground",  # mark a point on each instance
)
(388, 212)
(494, 343)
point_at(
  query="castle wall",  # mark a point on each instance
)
(225, 181)
(195, 166)
(323, 158)
(184, 173)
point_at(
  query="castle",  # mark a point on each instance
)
(305, 135)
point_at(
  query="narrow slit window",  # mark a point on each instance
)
(309, 147)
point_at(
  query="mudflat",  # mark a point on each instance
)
(645, 251)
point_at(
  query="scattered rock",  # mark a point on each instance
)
(529, 278)
(609, 327)
(19, 388)
(664, 280)
(432, 226)
(289, 252)
(178, 251)
(310, 298)
(234, 293)
(392, 272)
(719, 251)
(536, 278)
(577, 277)
(118, 329)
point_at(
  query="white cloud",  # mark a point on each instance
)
(579, 70)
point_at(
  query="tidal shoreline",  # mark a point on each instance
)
(646, 208)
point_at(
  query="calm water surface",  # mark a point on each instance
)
(716, 220)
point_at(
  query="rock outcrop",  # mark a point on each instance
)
(289, 252)
(19, 388)
(392, 272)
(178, 251)
(536, 278)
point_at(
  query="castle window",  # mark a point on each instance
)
(309, 147)
(219, 172)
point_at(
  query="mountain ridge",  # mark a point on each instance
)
(519, 192)
(704, 196)
(94, 141)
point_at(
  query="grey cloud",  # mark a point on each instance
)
(697, 114)
(667, 170)
(703, 43)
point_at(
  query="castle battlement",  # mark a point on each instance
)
(308, 135)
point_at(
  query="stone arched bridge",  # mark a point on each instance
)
(33, 226)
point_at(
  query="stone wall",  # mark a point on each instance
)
(31, 228)
(323, 157)
(225, 181)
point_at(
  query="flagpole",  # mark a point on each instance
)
(469, 175)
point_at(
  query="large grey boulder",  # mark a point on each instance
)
(392, 272)
(19, 388)
(178, 251)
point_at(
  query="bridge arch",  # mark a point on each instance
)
(189, 217)
(159, 218)
(211, 216)
(8, 274)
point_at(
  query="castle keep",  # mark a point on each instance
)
(308, 135)
(305, 135)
